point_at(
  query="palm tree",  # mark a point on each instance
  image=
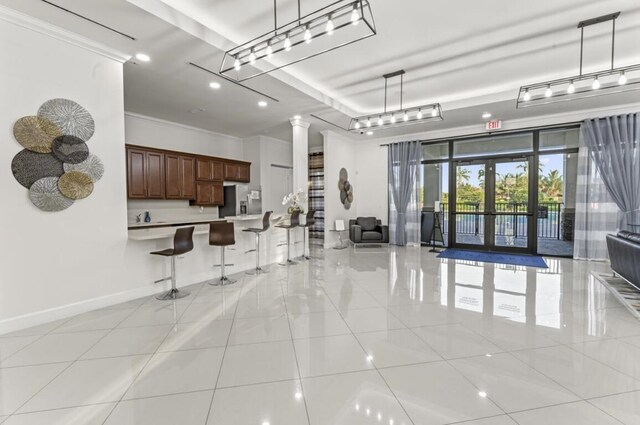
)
(462, 175)
(553, 185)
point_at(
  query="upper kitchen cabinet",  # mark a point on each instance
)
(145, 174)
(237, 172)
(209, 170)
(180, 176)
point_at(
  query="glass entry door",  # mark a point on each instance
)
(492, 205)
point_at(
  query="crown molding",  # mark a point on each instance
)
(31, 23)
(177, 124)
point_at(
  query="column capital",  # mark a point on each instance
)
(299, 122)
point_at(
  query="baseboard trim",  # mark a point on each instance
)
(25, 321)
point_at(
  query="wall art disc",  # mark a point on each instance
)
(341, 184)
(347, 205)
(70, 149)
(29, 167)
(45, 195)
(75, 185)
(92, 166)
(36, 133)
(343, 174)
(350, 197)
(343, 196)
(70, 117)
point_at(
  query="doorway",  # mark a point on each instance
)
(492, 204)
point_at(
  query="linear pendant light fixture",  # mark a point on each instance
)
(399, 117)
(339, 24)
(581, 86)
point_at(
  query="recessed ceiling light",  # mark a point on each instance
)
(214, 85)
(262, 104)
(486, 115)
(369, 133)
(142, 57)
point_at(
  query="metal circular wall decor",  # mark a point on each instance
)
(75, 185)
(70, 149)
(91, 166)
(45, 195)
(56, 165)
(36, 133)
(69, 116)
(346, 190)
(28, 167)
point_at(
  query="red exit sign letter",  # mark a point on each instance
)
(494, 125)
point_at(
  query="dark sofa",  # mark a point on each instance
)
(624, 253)
(368, 230)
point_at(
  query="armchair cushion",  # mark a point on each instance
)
(355, 233)
(368, 224)
(372, 236)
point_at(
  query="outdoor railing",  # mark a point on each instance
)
(548, 216)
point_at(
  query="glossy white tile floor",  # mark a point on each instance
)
(393, 337)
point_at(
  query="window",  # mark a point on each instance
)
(559, 139)
(492, 146)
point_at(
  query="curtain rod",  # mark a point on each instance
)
(495, 133)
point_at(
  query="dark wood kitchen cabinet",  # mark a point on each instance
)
(237, 172)
(180, 177)
(209, 194)
(145, 174)
(209, 170)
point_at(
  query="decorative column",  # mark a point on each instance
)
(300, 156)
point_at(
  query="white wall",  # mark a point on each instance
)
(53, 259)
(340, 152)
(153, 132)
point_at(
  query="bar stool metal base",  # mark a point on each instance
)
(173, 294)
(257, 271)
(223, 281)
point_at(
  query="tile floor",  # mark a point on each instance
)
(393, 337)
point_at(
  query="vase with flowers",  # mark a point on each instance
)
(295, 201)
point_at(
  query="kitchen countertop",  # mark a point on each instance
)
(166, 229)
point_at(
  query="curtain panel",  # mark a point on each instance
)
(405, 166)
(613, 144)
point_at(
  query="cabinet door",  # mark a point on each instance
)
(231, 172)
(218, 171)
(173, 174)
(155, 175)
(203, 170)
(187, 177)
(204, 195)
(243, 173)
(136, 174)
(217, 193)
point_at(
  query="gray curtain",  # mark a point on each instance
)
(613, 145)
(405, 163)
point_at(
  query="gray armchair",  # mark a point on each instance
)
(368, 230)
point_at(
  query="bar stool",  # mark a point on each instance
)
(182, 243)
(265, 226)
(222, 234)
(310, 221)
(293, 223)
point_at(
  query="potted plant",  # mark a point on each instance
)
(295, 201)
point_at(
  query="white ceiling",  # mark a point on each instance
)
(469, 56)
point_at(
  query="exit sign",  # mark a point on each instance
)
(494, 125)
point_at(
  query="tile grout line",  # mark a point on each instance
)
(71, 363)
(177, 319)
(295, 354)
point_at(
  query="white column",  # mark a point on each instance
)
(300, 156)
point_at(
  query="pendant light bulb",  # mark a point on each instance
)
(596, 84)
(419, 114)
(527, 95)
(380, 121)
(548, 92)
(434, 112)
(307, 35)
(393, 119)
(236, 64)
(623, 79)
(572, 88)
(252, 57)
(269, 50)
(368, 122)
(355, 15)
(357, 125)
(406, 117)
(287, 44)
(329, 28)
